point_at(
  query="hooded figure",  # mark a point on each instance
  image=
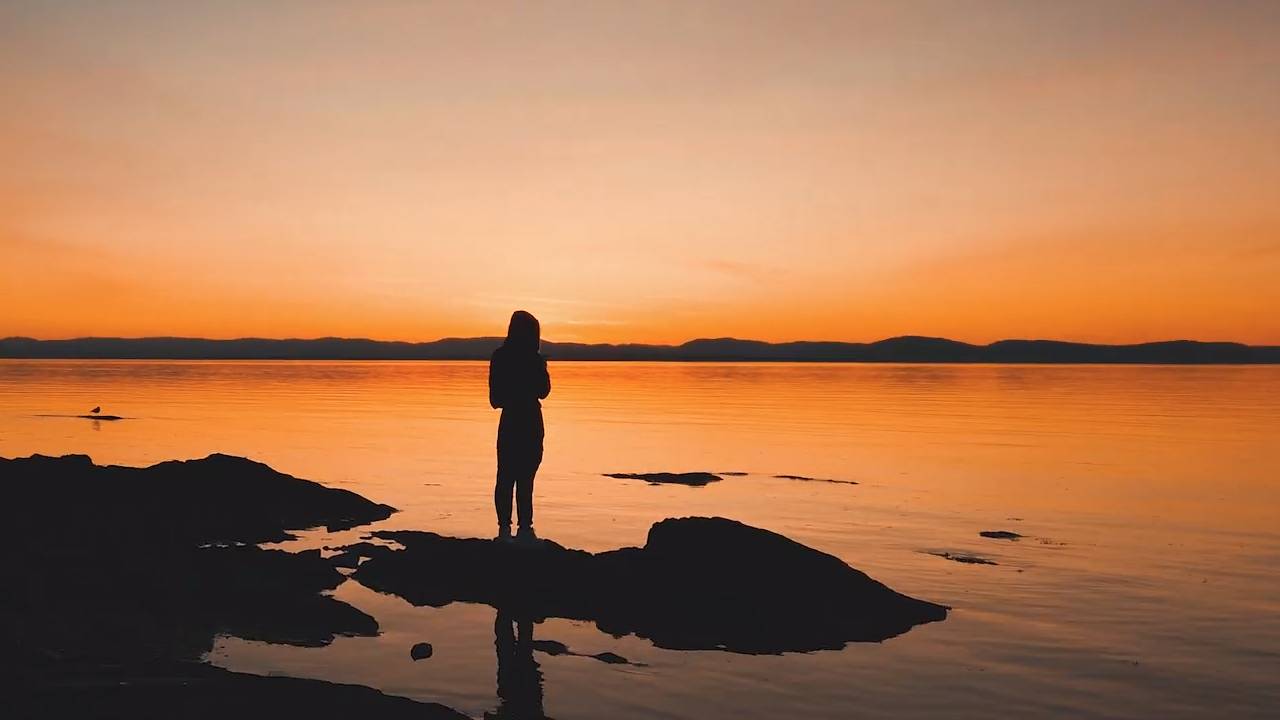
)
(518, 380)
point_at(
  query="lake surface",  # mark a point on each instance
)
(1146, 585)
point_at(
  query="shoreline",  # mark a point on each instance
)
(123, 596)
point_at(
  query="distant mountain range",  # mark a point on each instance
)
(898, 349)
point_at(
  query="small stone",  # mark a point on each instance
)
(421, 651)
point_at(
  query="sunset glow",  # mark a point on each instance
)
(646, 172)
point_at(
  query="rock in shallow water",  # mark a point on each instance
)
(964, 558)
(806, 478)
(697, 584)
(692, 479)
(421, 651)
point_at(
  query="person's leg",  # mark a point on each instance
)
(502, 488)
(524, 490)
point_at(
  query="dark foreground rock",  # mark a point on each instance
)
(117, 579)
(692, 479)
(192, 691)
(219, 499)
(697, 584)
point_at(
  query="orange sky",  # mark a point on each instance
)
(641, 171)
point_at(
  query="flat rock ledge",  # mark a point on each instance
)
(119, 578)
(699, 583)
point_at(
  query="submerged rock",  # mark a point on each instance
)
(965, 558)
(1000, 534)
(697, 584)
(692, 479)
(806, 478)
(421, 651)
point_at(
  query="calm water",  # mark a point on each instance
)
(1147, 585)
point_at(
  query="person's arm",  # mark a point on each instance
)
(544, 381)
(495, 380)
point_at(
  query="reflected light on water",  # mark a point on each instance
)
(1147, 496)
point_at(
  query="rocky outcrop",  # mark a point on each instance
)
(117, 580)
(697, 584)
(219, 499)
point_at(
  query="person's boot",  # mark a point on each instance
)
(526, 536)
(504, 533)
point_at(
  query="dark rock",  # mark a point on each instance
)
(117, 578)
(1000, 534)
(556, 648)
(698, 583)
(199, 692)
(218, 499)
(806, 478)
(133, 563)
(965, 558)
(552, 647)
(421, 651)
(346, 560)
(364, 549)
(692, 479)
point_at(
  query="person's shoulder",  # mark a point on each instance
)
(498, 352)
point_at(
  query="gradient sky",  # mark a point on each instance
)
(641, 171)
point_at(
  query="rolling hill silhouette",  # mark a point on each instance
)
(907, 348)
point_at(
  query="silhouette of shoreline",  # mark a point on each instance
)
(912, 349)
(127, 575)
(124, 576)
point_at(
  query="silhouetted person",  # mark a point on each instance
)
(519, 677)
(518, 381)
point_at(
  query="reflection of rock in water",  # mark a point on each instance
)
(519, 677)
(555, 648)
(697, 584)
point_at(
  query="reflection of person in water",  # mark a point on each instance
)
(518, 380)
(519, 678)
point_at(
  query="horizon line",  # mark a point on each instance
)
(721, 338)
